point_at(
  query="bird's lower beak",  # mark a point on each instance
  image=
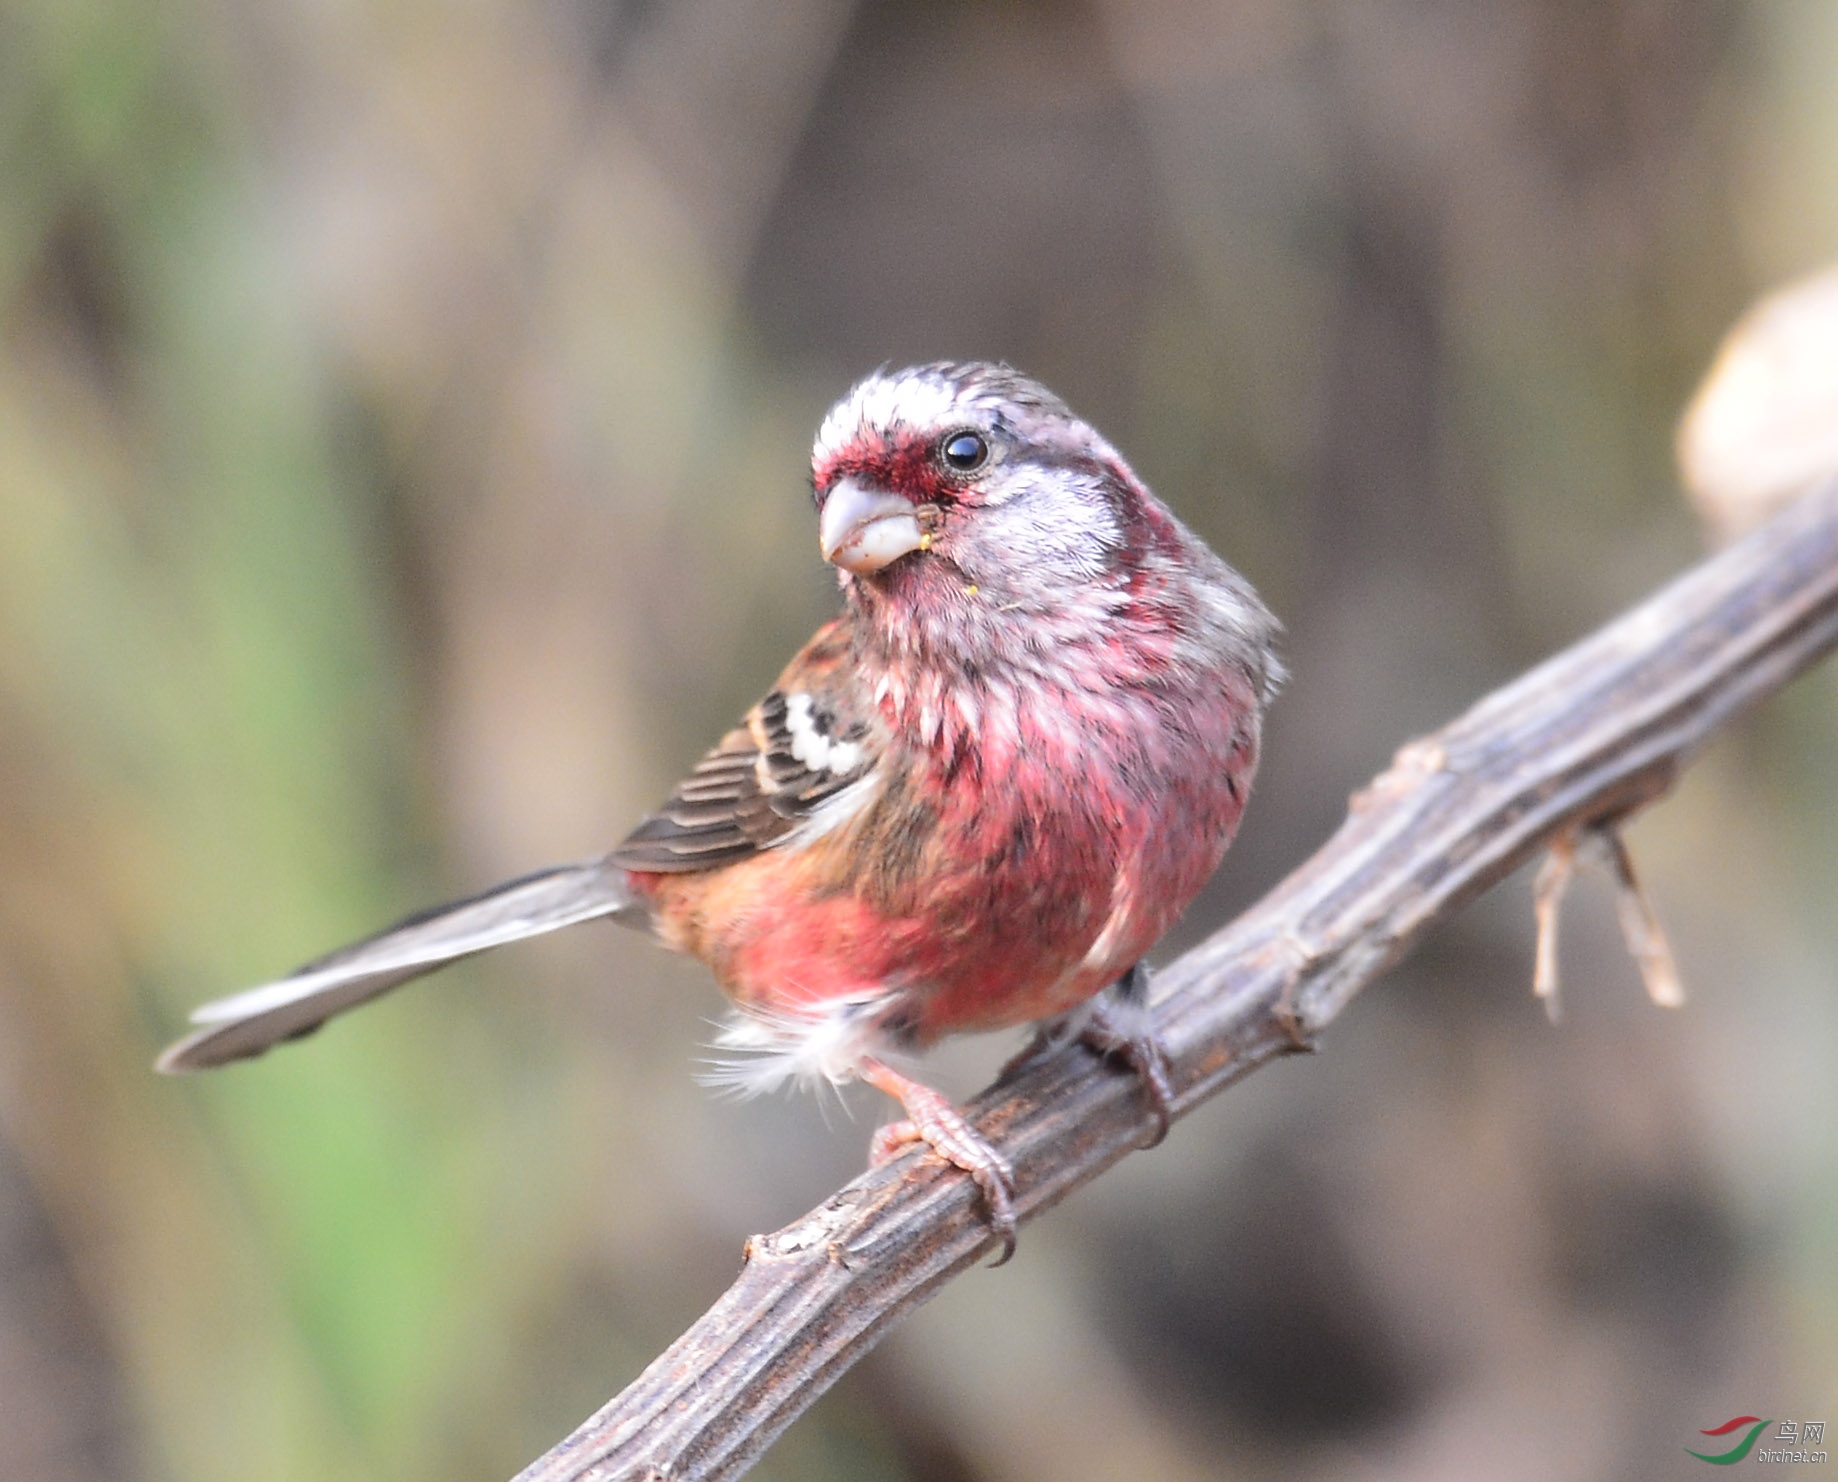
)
(863, 529)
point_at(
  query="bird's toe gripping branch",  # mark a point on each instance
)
(1601, 843)
(1120, 1029)
(1117, 1027)
(931, 1119)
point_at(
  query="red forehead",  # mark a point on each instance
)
(902, 461)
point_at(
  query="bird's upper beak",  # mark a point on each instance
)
(863, 528)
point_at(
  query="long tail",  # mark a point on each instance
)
(248, 1023)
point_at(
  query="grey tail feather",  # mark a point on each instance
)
(248, 1023)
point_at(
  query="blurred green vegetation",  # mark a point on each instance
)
(402, 424)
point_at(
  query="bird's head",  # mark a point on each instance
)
(972, 476)
(977, 525)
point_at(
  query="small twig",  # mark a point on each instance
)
(1601, 843)
(1582, 740)
(1548, 887)
(1640, 928)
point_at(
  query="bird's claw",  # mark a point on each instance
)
(1118, 1032)
(1142, 1052)
(931, 1119)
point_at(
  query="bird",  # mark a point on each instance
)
(971, 802)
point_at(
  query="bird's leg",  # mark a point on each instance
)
(1120, 1030)
(931, 1119)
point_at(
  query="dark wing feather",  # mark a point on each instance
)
(806, 741)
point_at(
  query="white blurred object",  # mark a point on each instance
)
(1764, 425)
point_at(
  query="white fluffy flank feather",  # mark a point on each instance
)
(759, 1050)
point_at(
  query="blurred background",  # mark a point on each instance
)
(404, 412)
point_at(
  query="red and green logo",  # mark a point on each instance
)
(1741, 1448)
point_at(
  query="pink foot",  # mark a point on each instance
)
(931, 1119)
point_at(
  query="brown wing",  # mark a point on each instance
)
(805, 742)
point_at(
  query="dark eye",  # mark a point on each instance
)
(963, 451)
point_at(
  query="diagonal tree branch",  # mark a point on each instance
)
(1582, 740)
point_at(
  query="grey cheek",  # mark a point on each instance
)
(1050, 539)
(1002, 486)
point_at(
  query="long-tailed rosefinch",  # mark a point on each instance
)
(973, 800)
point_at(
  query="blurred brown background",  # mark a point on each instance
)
(403, 418)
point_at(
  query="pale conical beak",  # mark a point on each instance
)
(863, 529)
